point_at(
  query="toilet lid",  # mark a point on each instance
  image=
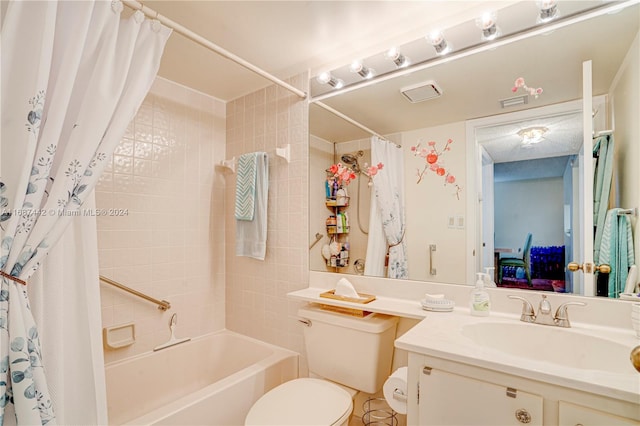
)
(301, 402)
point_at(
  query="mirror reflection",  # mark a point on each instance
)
(459, 218)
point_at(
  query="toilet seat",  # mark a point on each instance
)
(302, 402)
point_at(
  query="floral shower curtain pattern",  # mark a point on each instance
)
(388, 187)
(73, 76)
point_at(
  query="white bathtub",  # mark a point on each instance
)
(213, 380)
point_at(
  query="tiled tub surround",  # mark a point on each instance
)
(167, 241)
(256, 303)
(214, 379)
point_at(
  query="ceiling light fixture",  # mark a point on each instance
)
(436, 38)
(532, 135)
(487, 23)
(548, 10)
(398, 58)
(327, 78)
(364, 72)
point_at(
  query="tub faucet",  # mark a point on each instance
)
(544, 316)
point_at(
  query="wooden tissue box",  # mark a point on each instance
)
(360, 313)
(364, 298)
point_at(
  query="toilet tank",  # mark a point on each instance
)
(355, 352)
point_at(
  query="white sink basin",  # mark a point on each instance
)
(562, 346)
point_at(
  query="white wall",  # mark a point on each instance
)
(430, 203)
(169, 243)
(625, 101)
(518, 212)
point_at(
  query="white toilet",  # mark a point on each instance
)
(347, 354)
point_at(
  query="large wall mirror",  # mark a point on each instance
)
(493, 192)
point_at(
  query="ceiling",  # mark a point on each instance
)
(286, 38)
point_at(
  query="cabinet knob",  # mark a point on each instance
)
(523, 416)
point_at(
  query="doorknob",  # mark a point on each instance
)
(589, 267)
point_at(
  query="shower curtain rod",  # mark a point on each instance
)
(135, 5)
(354, 122)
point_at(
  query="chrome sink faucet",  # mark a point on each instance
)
(544, 317)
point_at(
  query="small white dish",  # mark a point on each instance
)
(438, 305)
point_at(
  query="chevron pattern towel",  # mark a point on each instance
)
(251, 235)
(246, 186)
(616, 250)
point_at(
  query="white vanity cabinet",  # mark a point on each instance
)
(572, 414)
(451, 399)
(445, 392)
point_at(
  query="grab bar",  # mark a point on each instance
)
(432, 266)
(163, 305)
(318, 238)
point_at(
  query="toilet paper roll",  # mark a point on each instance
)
(395, 390)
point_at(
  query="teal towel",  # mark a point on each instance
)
(602, 176)
(246, 186)
(251, 235)
(616, 250)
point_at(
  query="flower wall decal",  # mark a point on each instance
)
(434, 162)
(343, 175)
(520, 84)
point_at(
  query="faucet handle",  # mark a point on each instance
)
(528, 315)
(561, 317)
(544, 307)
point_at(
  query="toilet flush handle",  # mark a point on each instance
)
(399, 395)
(305, 321)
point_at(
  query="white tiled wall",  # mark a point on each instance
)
(169, 242)
(256, 290)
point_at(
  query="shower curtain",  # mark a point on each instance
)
(387, 217)
(73, 76)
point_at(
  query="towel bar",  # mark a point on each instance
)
(284, 152)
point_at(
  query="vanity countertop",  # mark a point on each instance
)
(448, 336)
(383, 305)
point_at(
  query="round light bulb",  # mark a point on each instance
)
(324, 77)
(486, 20)
(435, 37)
(392, 53)
(355, 66)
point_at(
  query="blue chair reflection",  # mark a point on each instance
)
(518, 262)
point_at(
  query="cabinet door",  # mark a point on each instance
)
(571, 414)
(450, 399)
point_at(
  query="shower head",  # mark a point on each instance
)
(352, 160)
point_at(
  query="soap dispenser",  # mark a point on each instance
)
(479, 302)
(488, 276)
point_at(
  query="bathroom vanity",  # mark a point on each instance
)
(466, 370)
(498, 370)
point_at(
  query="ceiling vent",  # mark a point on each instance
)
(515, 101)
(422, 91)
